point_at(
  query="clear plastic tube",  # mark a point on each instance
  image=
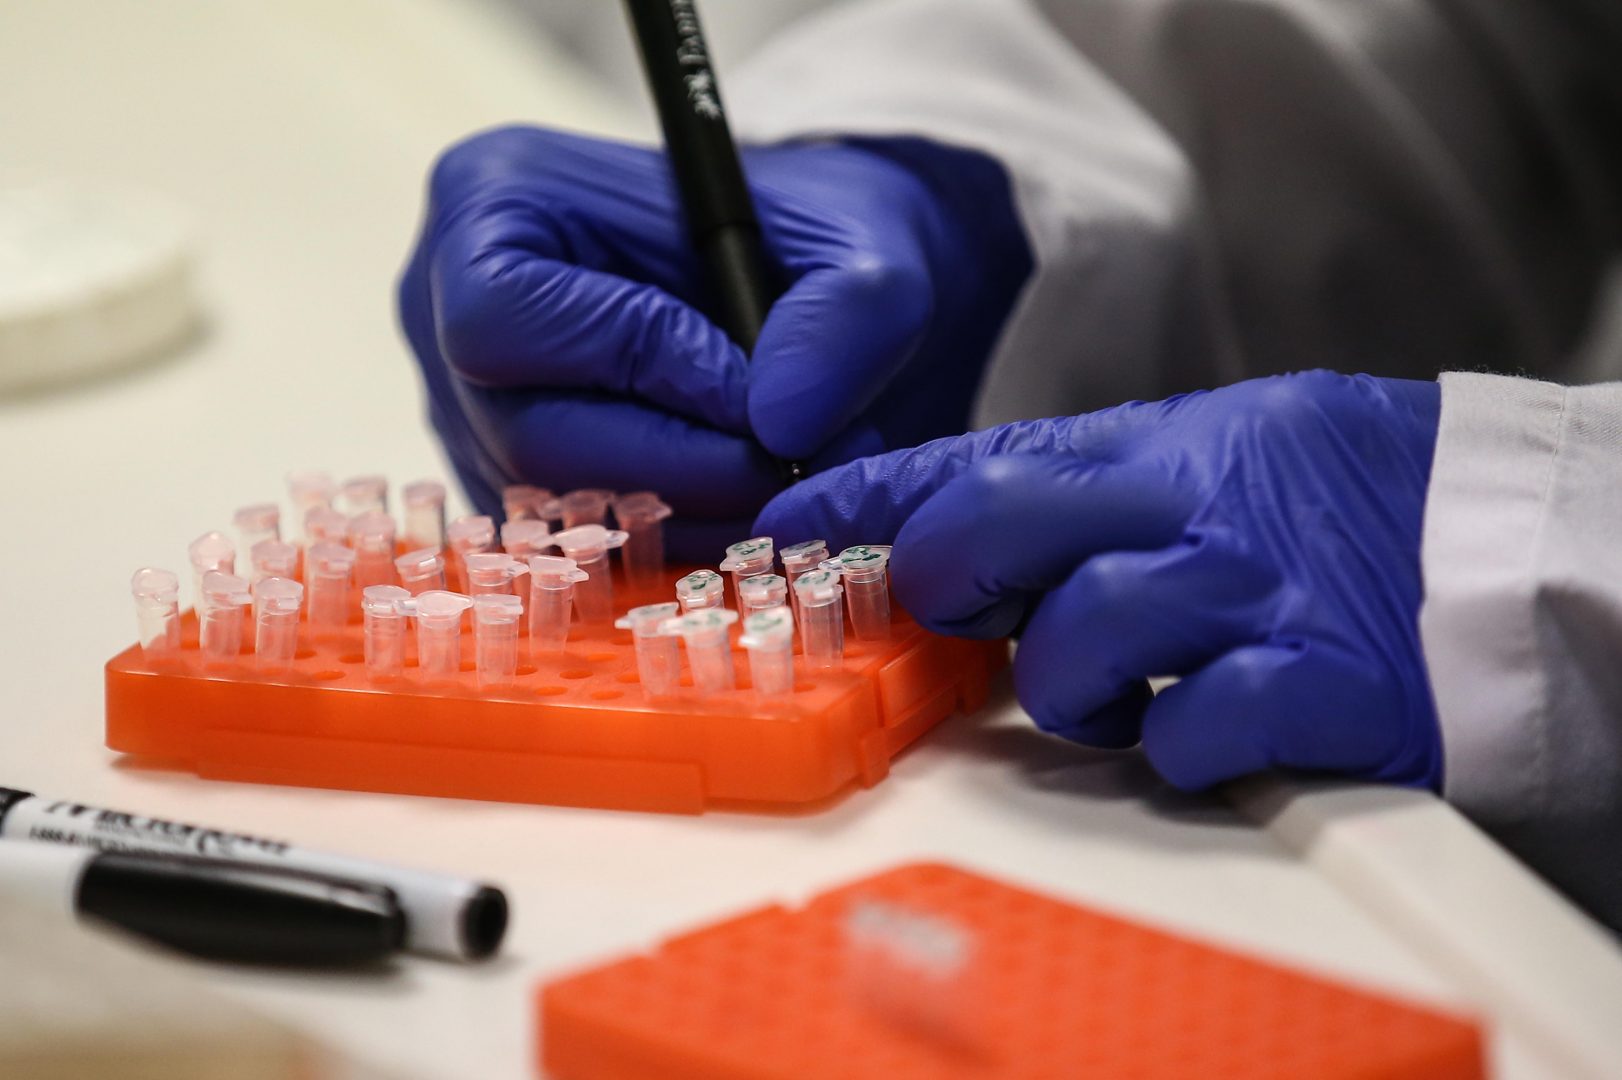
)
(822, 623)
(384, 609)
(372, 536)
(439, 633)
(642, 515)
(327, 571)
(421, 571)
(769, 637)
(273, 558)
(588, 546)
(700, 590)
(309, 490)
(257, 523)
(761, 592)
(276, 602)
(552, 582)
(800, 559)
(709, 653)
(364, 494)
(526, 537)
(211, 552)
(157, 610)
(472, 534)
(496, 618)
(658, 652)
(220, 621)
(324, 525)
(424, 514)
(491, 573)
(747, 559)
(867, 588)
(522, 502)
(587, 506)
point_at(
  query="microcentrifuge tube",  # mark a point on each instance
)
(700, 590)
(363, 494)
(421, 570)
(588, 546)
(495, 637)
(309, 491)
(220, 621)
(273, 558)
(798, 559)
(384, 609)
(525, 537)
(746, 559)
(709, 653)
(769, 637)
(467, 535)
(822, 623)
(493, 572)
(439, 633)
(552, 581)
(276, 602)
(761, 592)
(262, 521)
(328, 568)
(587, 506)
(210, 552)
(324, 525)
(522, 502)
(642, 515)
(424, 502)
(157, 609)
(372, 536)
(658, 652)
(866, 589)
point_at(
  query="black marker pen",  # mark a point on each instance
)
(714, 194)
(445, 915)
(217, 910)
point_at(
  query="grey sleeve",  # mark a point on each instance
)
(1522, 622)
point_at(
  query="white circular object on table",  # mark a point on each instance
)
(90, 280)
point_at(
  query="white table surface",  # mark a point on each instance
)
(300, 133)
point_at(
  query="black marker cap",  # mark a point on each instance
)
(252, 914)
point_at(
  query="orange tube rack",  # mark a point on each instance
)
(574, 729)
(1044, 990)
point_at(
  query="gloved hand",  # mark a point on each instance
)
(560, 317)
(1261, 541)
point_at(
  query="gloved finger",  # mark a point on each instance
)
(511, 310)
(868, 500)
(1127, 616)
(1115, 725)
(974, 558)
(613, 204)
(1217, 723)
(570, 440)
(832, 343)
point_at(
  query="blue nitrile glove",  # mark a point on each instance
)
(1261, 541)
(559, 315)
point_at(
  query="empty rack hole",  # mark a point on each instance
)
(352, 658)
(606, 695)
(551, 691)
(574, 673)
(328, 676)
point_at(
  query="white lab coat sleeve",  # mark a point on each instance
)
(1522, 621)
(1104, 194)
